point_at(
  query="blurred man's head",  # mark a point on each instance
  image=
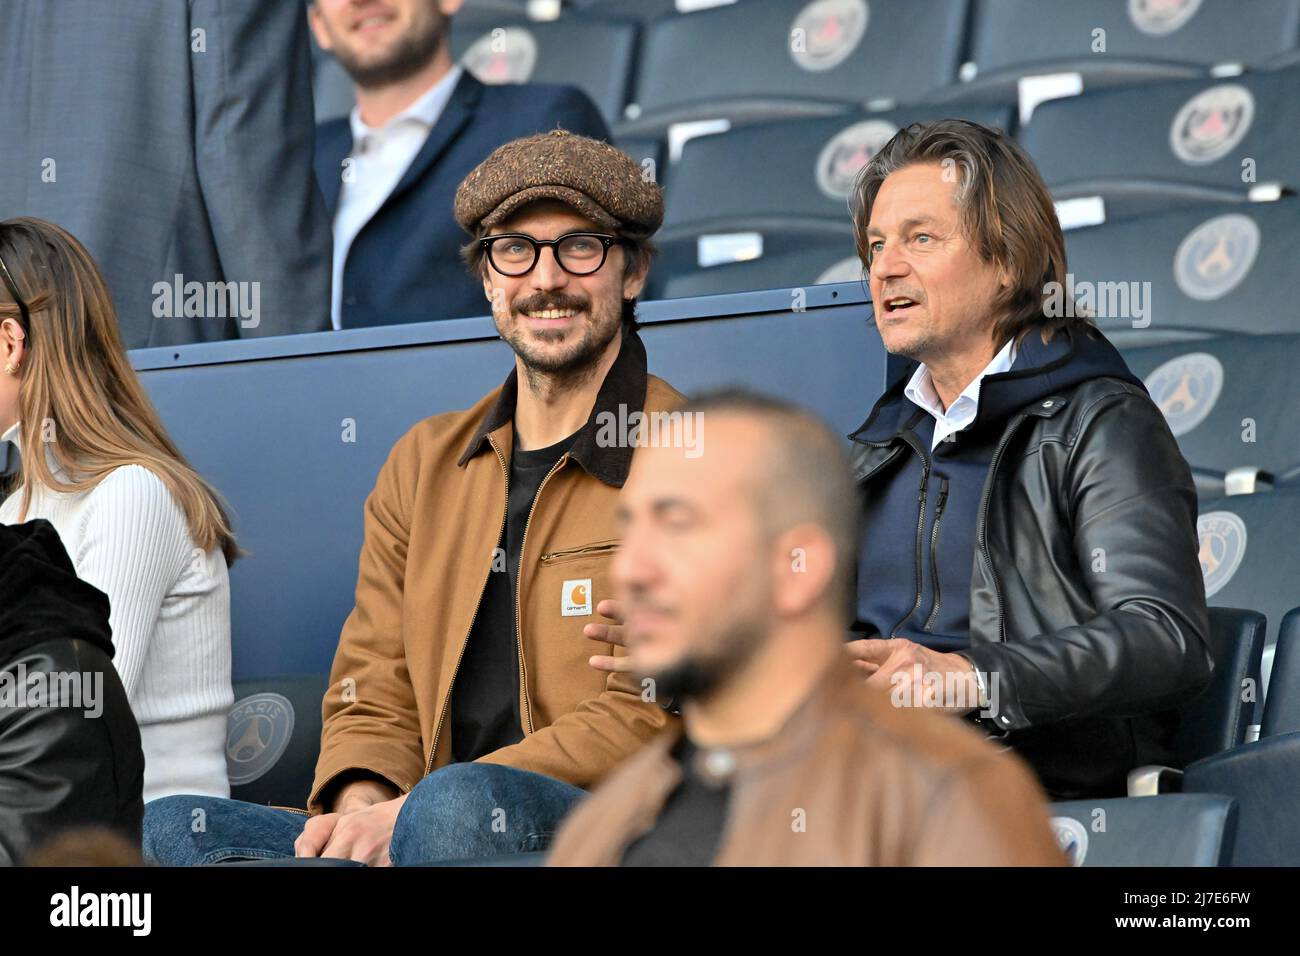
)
(959, 236)
(725, 551)
(380, 42)
(564, 305)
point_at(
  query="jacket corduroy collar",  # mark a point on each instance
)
(622, 392)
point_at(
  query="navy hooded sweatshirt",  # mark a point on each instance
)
(918, 544)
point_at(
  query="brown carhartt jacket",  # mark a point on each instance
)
(850, 780)
(432, 525)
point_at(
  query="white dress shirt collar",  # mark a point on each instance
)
(920, 391)
(425, 111)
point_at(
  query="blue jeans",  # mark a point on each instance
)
(463, 811)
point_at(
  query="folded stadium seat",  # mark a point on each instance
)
(1262, 778)
(1151, 148)
(273, 739)
(1229, 400)
(816, 264)
(786, 181)
(1169, 830)
(1282, 692)
(1209, 268)
(1248, 553)
(649, 155)
(1144, 41)
(592, 54)
(767, 59)
(1219, 718)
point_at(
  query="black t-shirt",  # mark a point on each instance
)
(690, 824)
(485, 696)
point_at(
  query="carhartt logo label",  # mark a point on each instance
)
(575, 598)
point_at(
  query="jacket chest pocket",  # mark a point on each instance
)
(597, 549)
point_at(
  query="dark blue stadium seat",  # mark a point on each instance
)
(273, 738)
(814, 263)
(1211, 269)
(293, 430)
(1167, 830)
(1144, 41)
(1149, 148)
(1262, 778)
(1218, 718)
(766, 59)
(592, 54)
(1282, 699)
(785, 174)
(1228, 399)
(1248, 552)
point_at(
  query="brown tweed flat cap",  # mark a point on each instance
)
(598, 180)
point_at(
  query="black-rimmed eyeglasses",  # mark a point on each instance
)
(578, 253)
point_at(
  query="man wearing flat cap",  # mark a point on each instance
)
(462, 718)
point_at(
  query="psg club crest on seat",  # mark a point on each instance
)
(826, 32)
(506, 55)
(1186, 389)
(1161, 17)
(1215, 256)
(847, 152)
(258, 730)
(1223, 545)
(1212, 123)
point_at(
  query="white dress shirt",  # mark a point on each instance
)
(379, 158)
(947, 422)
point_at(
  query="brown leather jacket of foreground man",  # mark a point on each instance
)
(735, 586)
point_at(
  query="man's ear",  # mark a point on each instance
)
(317, 24)
(450, 7)
(805, 566)
(634, 282)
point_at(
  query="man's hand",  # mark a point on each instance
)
(360, 833)
(916, 674)
(614, 633)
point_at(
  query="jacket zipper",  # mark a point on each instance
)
(437, 731)
(920, 530)
(982, 521)
(519, 586)
(934, 558)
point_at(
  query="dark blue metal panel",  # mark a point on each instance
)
(264, 420)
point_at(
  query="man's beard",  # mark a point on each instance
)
(696, 676)
(580, 358)
(410, 54)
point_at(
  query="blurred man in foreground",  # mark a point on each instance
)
(735, 574)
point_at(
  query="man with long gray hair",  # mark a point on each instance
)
(1030, 525)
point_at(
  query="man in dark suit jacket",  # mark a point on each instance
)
(173, 139)
(389, 172)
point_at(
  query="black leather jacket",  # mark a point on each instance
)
(60, 766)
(1092, 656)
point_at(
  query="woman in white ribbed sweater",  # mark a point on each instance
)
(137, 521)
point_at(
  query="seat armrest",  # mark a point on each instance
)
(1151, 780)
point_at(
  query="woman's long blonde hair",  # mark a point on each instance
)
(78, 393)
